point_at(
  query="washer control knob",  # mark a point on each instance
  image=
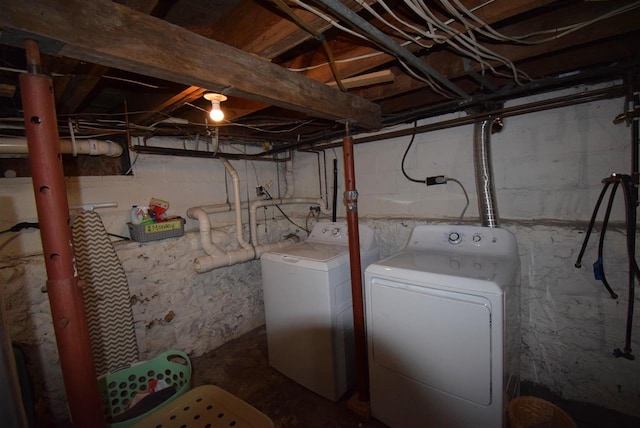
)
(336, 231)
(477, 238)
(324, 230)
(454, 238)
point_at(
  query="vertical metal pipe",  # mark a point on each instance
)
(351, 201)
(334, 212)
(632, 215)
(65, 296)
(484, 173)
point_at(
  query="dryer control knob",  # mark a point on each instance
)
(477, 238)
(336, 231)
(454, 238)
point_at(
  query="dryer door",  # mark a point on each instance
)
(438, 338)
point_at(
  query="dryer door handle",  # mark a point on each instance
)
(290, 259)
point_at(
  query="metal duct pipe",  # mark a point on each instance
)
(484, 173)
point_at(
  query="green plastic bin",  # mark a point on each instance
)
(118, 388)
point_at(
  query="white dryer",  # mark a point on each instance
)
(443, 329)
(308, 308)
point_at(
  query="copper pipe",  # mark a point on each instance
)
(351, 201)
(65, 296)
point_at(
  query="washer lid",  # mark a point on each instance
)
(491, 274)
(313, 255)
(313, 251)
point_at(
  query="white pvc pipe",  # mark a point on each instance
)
(215, 257)
(238, 205)
(205, 230)
(230, 258)
(288, 178)
(208, 262)
(18, 146)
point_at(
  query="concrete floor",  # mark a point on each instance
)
(241, 367)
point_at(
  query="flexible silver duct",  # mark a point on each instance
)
(484, 173)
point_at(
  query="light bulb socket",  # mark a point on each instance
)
(216, 114)
(212, 96)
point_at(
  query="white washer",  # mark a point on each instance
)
(308, 308)
(443, 329)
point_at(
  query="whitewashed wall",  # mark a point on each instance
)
(548, 168)
(173, 306)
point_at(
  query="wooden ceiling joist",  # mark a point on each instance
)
(109, 34)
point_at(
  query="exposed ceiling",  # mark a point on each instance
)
(278, 61)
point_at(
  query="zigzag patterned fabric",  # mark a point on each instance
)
(106, 296)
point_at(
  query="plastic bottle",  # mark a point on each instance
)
(135, 217)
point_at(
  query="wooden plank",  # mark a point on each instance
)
(78, 89)
(7, 90)
(109, 34)
(258, 29)
(190, 94)
(377, 77)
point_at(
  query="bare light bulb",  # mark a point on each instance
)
(216, 114)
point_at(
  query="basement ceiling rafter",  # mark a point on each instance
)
(135, 42)
(158, 57)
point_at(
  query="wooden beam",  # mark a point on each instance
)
(79, 87)
(452, 66)
(490, 12)
(7, 90)
(251, 18)
(109, 34)
(71, 92)
(190, 94)
(258, 29)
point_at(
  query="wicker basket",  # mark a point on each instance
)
(533, 412)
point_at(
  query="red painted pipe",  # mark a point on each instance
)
(65, 297)
(351, 201)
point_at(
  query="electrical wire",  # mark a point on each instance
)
(464, 42)
(404, 172)
(428, 181)
(466, 196)
(329, 19)
(21, 226)
(318, 36)
(283, 213)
